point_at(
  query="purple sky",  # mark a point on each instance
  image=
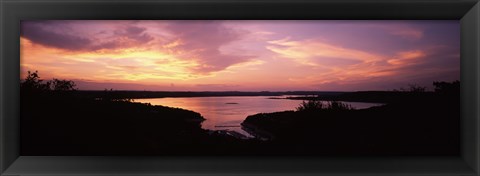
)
(243, 55)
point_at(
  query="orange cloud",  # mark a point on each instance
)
(407, 57)
(408, 33)
(311, 52)
(261, 55)
(317, 54)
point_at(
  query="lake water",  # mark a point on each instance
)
(226, 113)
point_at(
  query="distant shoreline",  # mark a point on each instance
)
(359, 96)
(184, 94)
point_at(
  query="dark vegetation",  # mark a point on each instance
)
(413, 122)
(314, 105)
(401, 95)
(57, 119)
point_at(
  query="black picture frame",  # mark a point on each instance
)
(12, 11)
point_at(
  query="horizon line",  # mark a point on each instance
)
(242, 91)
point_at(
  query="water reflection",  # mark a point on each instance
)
(226, 113)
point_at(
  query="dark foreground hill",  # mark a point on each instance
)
(416, 123)
(65, 125)
(58, 120)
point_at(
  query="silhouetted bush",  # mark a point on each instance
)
(336, 105)
(312, 105)
(446, 87)
(33, 84)
(412, 88)
(309, 105)
(62, 85)
(112, 95)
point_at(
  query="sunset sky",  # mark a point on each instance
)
(242, 55)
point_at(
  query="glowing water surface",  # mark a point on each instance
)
(227, 113)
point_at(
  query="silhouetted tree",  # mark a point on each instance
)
(33, 83)
(415, 88)
(62, 85)
(446, 87)
(411, 88)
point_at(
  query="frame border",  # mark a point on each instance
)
(12, 11)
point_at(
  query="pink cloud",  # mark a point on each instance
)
(264, 55)
(37, 32)
(65, 36)
(203, 40)
(407, 57)
(408, 33)
(350, 67)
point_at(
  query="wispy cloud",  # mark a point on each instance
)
(316, 53)
(346, 66)
(248, 55)
(407, 57)
(407, 32)
(203, 41)
(65, 36)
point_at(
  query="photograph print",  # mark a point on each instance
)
(240, 87)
